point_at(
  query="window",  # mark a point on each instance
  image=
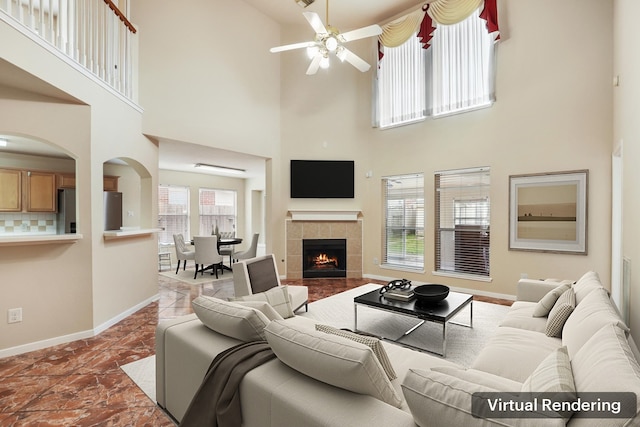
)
(455, 74)
(462, 221)
(173, 212)
(403, 240)
(217, 209)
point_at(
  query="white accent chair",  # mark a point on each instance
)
(249, 253)
(259, 274)
(182, 253)
(207, 255)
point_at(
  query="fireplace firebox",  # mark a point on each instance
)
(324, 258)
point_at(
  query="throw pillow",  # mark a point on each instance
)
(554, 376)
(263, 307)
(331, 359)
(277, 297)
(230, 319)
(560, 312)
(587, 283)
(544, 306)
(374, 343)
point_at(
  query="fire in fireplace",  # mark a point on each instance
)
(324, 258)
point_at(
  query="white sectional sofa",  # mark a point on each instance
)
(319, 379)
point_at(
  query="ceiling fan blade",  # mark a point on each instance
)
(315, 64)
(356, 61)
(315, 22)
(361, 33)
(292, 46)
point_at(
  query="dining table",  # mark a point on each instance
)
(227, 241)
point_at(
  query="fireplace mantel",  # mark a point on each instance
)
(324, 215)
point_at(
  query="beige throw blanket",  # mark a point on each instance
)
(217, 401)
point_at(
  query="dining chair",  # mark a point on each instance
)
(225, 250)
(207, 255)
(182, 253)
(249, 253)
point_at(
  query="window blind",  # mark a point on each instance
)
(403, 234)
(173, 212)
(462, 221)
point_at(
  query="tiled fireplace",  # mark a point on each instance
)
(324, 228)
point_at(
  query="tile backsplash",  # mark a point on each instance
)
(27, 223)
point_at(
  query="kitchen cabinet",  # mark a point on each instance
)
(110, 183)
(10, 190)
(41, 191)
(66, 180)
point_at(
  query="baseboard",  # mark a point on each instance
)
(453, 288)
(50, 342)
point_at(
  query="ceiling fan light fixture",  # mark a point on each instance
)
(341, 53)
(331, 43)
(324, 62)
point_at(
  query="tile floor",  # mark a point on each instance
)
(81, 383)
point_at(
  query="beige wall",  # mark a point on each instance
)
(70, 290)
(209, 77)
(627, 131)
(553, 113)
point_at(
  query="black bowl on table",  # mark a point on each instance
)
(430, 294)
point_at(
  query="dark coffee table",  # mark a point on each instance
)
(441, 312)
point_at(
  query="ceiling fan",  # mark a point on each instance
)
(329, 40)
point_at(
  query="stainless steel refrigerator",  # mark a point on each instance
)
(66, 217)
(112, 210)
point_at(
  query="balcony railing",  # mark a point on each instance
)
(94, 33)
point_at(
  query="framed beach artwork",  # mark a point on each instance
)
(548, 212)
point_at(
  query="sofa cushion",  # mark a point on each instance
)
(520, 316)
(595, 311)
(547, 302)
(439, 399)
(369, 341)
(331, 359)
(277, 297)
(230, 319)
(553, 375)
(262, 306)
(605, 363)
(560, 312)
(481, 378)
(508, 345)
(587, 283)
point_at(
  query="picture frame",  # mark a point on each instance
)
(548, 212)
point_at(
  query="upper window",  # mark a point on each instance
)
(403, 240)
(173, 212)
(454, 74)
(462, 221)
(217, 211)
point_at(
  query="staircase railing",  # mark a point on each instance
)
(94, 33)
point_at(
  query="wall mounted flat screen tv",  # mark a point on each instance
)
(322, 179)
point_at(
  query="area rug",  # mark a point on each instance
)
(463, 344)
(186, 276)
(143, 373)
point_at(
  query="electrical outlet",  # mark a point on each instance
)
(14, 315)
(375, 261)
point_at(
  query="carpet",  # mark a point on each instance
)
(186, 276)
(463, 344)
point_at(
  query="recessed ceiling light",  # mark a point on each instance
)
(216, 168)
